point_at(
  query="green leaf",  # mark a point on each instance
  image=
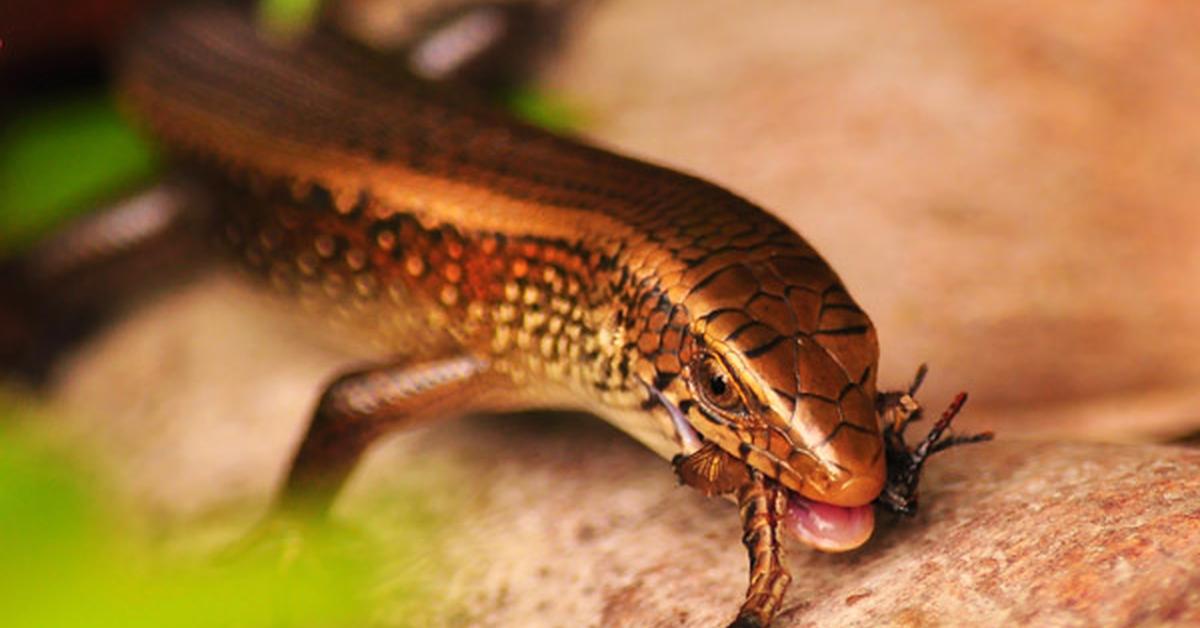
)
(57, 159)
(287, 16)
(542, 109)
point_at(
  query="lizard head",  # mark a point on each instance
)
(821, 440)
(778, 371)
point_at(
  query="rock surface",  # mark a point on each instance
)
(1011, 533)
(550, 520)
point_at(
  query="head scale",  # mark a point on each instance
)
(779, 366)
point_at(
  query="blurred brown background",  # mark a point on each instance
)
(1008, 187)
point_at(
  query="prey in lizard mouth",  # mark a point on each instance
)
(830, 513)
(898, 410)
(829, 527)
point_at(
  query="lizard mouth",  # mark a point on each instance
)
(827, 527)
(822, 526)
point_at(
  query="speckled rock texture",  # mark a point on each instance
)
(1008, 189)
(559, 520)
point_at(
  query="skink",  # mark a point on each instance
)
(487, 266)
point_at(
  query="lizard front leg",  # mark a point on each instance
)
(762, 504)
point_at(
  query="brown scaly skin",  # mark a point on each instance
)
(471, 254)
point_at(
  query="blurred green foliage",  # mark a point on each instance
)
(58, 158)
(67, 560)
(287, 16)
(542, 109)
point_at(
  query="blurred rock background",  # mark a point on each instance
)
(1009, 188)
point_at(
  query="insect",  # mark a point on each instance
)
(486, 265)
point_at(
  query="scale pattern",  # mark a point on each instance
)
(423, 220)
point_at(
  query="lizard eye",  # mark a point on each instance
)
(716, 386)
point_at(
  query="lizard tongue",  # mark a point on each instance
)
(827, 527)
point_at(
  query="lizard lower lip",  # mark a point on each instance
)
(827, 527)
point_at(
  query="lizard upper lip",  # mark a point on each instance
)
(828, 527)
